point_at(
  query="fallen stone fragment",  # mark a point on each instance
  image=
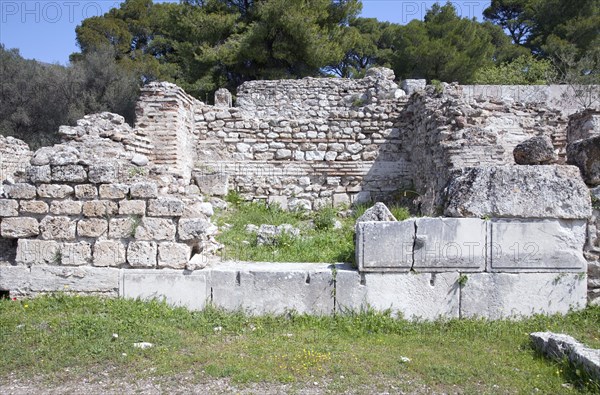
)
(535, 151)
(379, 212)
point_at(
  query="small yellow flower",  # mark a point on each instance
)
(26, 306)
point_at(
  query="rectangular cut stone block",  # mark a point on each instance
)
(92, 227)
(173, 255)
(9, 208)
(450, 244)
(75, 254)
(65, 207)
(105, 173)
(165, 207)
(142, 253)
(57, 228)
(114, 191)
(20, 191)
(144, 190)
(15, 279)
(86, 191)
(177, 288)
(537, 245)
(268, 288)
(413, 296)
(35, 252)
(99, 208)
(74, 279)
(132, 207)
(33, 207)
(122, 228)
(385, 246)
(155, 229)
(195, 229)
(502, 295)
(69, 173)
(54, 191)
(18, 227)
(109, 253)
(213, 184)
(39, 174)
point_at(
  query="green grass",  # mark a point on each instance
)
(319, 240)
(45, 336)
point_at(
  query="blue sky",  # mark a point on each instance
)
(45, 29)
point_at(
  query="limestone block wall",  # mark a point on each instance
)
(14, 156)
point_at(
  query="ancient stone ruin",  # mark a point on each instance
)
(505, 177)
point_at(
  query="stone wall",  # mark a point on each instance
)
(14, 156)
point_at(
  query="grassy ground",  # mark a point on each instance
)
(63, 337)
(319, 240)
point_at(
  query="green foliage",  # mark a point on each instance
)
(58, 338)
(443, 46)
(234, 197)
(399, 212)
(38, 97)
(462, 280)
(525, 70)
(325, 218)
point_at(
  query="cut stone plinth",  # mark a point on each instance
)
(450, 244)
(558, 346)
(385, 246)
(585, 154)
(513, 295)
(269, 288)
(74, 279)
(537, 245)
(518, 192)
(174, 286)
(424, 295)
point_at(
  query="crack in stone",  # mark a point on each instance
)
(412, 266)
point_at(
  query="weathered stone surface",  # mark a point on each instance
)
(379, 212)
(271, 234)
(165, 207)
(20, 191)
(449, 244)
(99, 208)
(190, 290)
(144, 190)
(410, 295)
(114, 191)
(123, 228)
(74, 279)
(57, 228)
(197, 262)
(69, 173)
(585, 154)
(65, 207)
(398, 239)
(155, 229)
(54, 191)
(19, 227)
(502, 295)
(39, 174)
(195, 228)
(412, 85)
(518, 192)
(142, 253)
(103, 173)
(76, 254)
(132, 207)
(559, 347)
(223, 98)
(35, 252)
(92, 227)
(109, 253)
(33, 207)
(14, 157)
(537, 245)
(583, 125)
(9, 208)
(86, 191)
(264, 288)
(15, 279)
(535, 151)
(173, 255)
(139, 160)
(212, 184)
